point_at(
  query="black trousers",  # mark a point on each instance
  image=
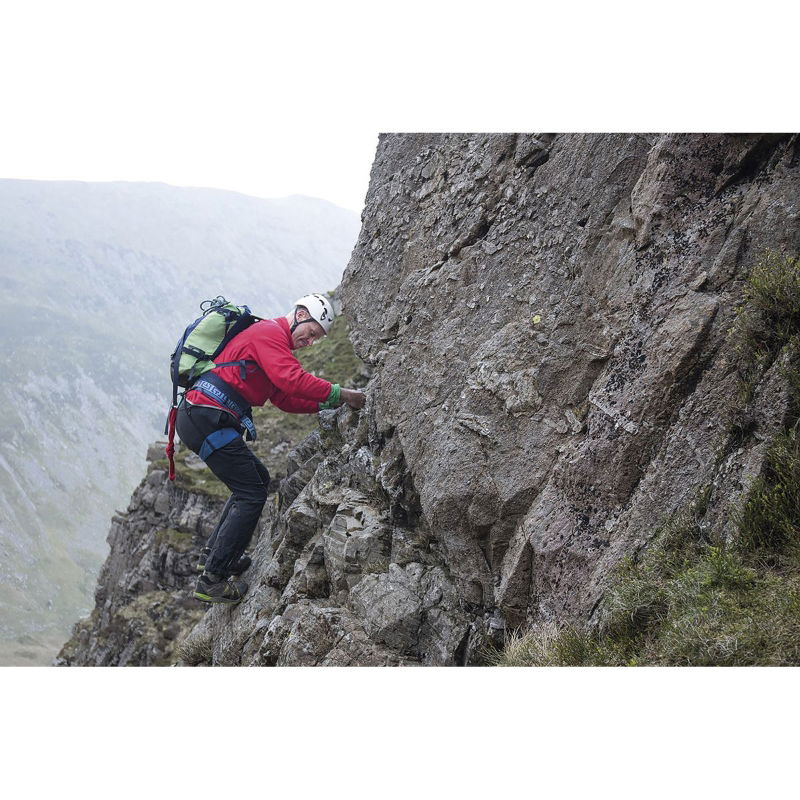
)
(237, 467)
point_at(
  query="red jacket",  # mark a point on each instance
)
(278, 377)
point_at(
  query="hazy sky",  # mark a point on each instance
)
(179, 93)
(272, 99)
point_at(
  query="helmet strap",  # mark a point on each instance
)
(296, 323)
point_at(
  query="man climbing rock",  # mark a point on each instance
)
(216, 411)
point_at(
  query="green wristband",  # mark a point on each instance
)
(334, 398)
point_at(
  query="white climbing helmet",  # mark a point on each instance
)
(320, 309)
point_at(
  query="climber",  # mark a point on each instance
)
(216, 411)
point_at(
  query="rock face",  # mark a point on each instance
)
(548, 317)
(547, 321)
(143, 603)
(346, 573)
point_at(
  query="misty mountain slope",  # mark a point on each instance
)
(97, 283)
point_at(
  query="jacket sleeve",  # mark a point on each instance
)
(294, 405)
(275, 357)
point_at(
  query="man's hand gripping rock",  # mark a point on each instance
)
(353, 398)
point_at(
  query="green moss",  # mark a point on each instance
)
(195, 478)
(177, 540)
(198, 477)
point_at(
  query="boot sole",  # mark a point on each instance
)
(205, 598)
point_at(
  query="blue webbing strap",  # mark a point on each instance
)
(217, 439)
(209, 385)
(251, 428)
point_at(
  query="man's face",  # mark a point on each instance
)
(307, 333)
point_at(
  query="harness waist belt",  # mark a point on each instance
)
(213, 387)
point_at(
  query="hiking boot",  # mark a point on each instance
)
(216, 589)
(237, 568)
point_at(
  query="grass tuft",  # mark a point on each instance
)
(774, 291)
(711, 610)
(768, 319)
(769, 524)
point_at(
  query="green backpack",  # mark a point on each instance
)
(201, 343)
(205, 339)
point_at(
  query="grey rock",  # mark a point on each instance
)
(634, 302)
(413, 610)
(391, 606)
(155, 451)
(357, 540)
